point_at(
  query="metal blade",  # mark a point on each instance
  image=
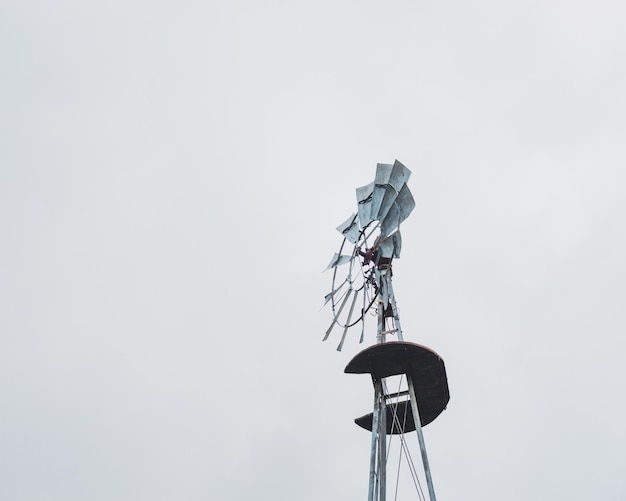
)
(390, 182)
(397, 243)
(364, 201)
(400, 209)
(345, 330)
(330, 295)
(405, 202)
(386, 248)
(399, 176)
(350, 229)
(390, 247)
(338, 260)
(391, 221)
(383, 172)
(389, 197)
(343, 303)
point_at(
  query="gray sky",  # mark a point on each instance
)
(171, 174)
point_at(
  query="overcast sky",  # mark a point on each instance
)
(171, 176)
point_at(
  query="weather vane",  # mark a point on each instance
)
(362, 274)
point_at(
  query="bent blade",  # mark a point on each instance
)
(399, 176)
(343, 303)
(386, 248)
(406, 202)
(364, 201)
(338, 260)
(383, 173)
(389, 196)
(345, 329)
(397, 243)
(391, 221)
(330, 295)
(350, 228)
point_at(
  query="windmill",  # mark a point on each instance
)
(362, 279)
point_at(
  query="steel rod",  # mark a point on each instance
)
(398, 394)
(420, 437)
(390, 331)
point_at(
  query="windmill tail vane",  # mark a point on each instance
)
(362, 284)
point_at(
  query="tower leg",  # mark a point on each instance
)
(394, 306)
(382, 447)
(375, 429)
(420, 437)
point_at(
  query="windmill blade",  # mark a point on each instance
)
(405, 202)
(363, 311)
(338, 260)
(335, 318)
(397, 243)
(399, 176)
(332, 293)
(395, 208)
(386, 248)
(389, 195)
(389, 183)
(364, 201)
(350, 229)
(329, 296)
(345, 329)
(390, 246)
(391, 220)
(401, 208)
(383, 173)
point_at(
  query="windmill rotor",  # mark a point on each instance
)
(374, 237)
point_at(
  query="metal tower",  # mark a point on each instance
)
(374, 233)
